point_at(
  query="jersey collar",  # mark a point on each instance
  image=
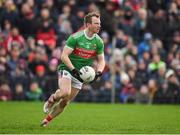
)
(90, 38)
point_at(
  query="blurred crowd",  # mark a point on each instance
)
(142, 48)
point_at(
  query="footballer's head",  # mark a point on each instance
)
(92, 21)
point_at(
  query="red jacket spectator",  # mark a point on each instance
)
(14, 38)
(46, 35)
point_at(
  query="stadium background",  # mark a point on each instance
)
(141, 37)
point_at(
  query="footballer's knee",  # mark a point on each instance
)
(62, 93)
(57, 94)
(65, 93)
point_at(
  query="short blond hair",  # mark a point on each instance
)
(88, 17)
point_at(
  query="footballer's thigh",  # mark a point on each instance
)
(64, 82)
(76, 87)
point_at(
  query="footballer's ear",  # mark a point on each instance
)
(87, 24)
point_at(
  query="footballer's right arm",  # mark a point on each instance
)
(65, 57)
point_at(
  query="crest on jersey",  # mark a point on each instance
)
(94, 46)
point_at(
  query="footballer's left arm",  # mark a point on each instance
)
(100, 62)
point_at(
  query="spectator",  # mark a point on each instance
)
(141, 76)
(14, 38)
(33, 5)
(19, 93)
(173, 89)
(49, 4)
(105, 92)
(66, 12)
(108, 14)
(160, 22)
(129, 62)
(4, 68)
(35, 92)
(5, 92)
(142, 95)
(155, 5)
(28, 24)
(107, 44)
(78, 20)
(30, 48)
(51, 78)
(146, 57)
(14, 57)
(175, 63)
(57, 52)
(19, 76)
(60, 35)
(153, 88)
(169, 92)
(40, 77)
(159, 46)
(141, 23)
(161, 75)
(39, 58)
(173, 17)
(127, 24)
(6, 28)
(131, 49)
(161, 95)
(121, 39)
(155, 65)
(9, 13)
(66, 28)
(92, 7)
(145, 45)
(127, 94)
(73, 5)
(45, 33)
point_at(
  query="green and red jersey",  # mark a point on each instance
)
(85, 49)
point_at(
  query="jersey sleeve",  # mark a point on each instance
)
(71, 42)
(100, 47)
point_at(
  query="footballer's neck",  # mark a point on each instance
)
(89, 33)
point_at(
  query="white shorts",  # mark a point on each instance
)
(74, 82)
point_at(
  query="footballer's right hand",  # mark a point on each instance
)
(97, 76)
(76, 73)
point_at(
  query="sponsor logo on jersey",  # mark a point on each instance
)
(81, 44)
(86, 45)
(84, 53)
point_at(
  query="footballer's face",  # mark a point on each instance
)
(95, 25)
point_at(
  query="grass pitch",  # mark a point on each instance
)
(25, 117)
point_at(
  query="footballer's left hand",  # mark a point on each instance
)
(97, 76)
